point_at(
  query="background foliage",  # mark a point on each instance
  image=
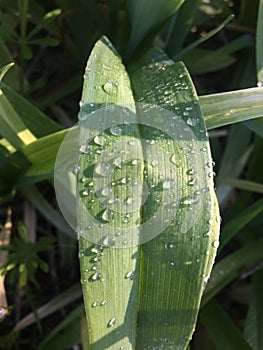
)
(49, 43)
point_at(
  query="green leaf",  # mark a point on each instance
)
(66, 334)
(232, 107)
(148, 288)
(42, 156)
(5, 69)
(259, 44)
(11, 126)
(115, 298)
(159, 80)
(221, 329)
(142, 24)
(231, 267)
(242, 184)
(180, 23)
(225, 48)
(35, 120)
(239, 221)
(233, 160)
(253, 328)
(54, 305)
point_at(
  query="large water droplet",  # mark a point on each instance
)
(100, 140)
(191, 122)
(76, 169)
(174, 159)
(112, 322)
(96, 276)
(110, 87)
(169, 245)
(115, 130)
(215, 244)
(102, 169)
(84, 149)
(129, 275)
(107, 215)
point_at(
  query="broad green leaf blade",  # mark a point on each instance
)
(232, 107)
(41, 156)
(11, 126)
(254, 323)
(231, 267)
(36, 121)
(221, 329)
(142, 23)
(109, 288)
(178, 261)
(259, 44)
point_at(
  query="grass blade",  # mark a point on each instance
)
(142, 24)
(231, 267)
(253, 329)
(221, 329)
(259, 44)
(232, 107)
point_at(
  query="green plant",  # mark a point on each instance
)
(150, 49)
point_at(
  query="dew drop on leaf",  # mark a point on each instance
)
(96, 276)
(112, 322)
(116, 130)
(110, 88)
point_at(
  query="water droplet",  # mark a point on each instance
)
(123, 180)
(191, 122)
(129, 200)
(203, 149)
(215, 244)
(76, 169)
(95, 267)
(117, 162)
(207, 234)
(191, 182)
(108, 242)
(174, 159)
(84, 149)
(96, 276)
(115, 130)
(107, 215)
(96, 259)
(110, 87)
(112, 322)
(129, 275)
(106, 191)
(167, 184)
(97, 249)
(104, 302)
(172, 264)
(99, 140)
(135, 161)
(169, 245)
(94, 304)
(102, 169)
